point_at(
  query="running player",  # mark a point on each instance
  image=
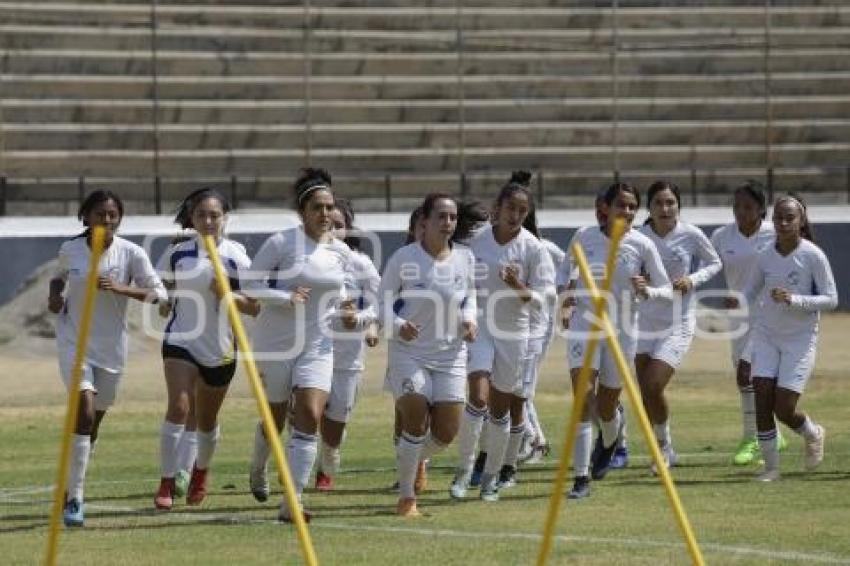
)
(125, 272)
(427, 305)
(794, 282)
(667, 328)
(349, 352)
(198, 350)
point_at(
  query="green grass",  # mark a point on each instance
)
(805, 518)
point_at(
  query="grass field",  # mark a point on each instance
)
(804, 519)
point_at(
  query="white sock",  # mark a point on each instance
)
(329, 459)
(748, 411)
(260, 455)
(80, 448)
(514, 441)
(408, 456)
(610, 429)
(769, 449)
(187, 450)
(207, 442)
(533, 422)
(623, 433)
(431, 447)
(662, 434)
(808, 430)
(583, 447)
(301, 453)
(169, 439)
(471, 423)
(498, 433)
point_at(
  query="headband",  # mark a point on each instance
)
(310, 190)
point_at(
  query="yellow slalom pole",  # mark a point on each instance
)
(73, 408)
(637, 405)
(262, 404)
(580, 396)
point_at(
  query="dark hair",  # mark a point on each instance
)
(530, 223)
(193, 199)
(806, 230)
(347, 209)
(94, 199)
(519, 182)
(415, 217)
(615, 189)
(659, 186)
(309, 180)
(470, 215)
(431, 199)
(755, 191)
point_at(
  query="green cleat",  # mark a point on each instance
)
(181, 483)
(781, 442)
(747, 452)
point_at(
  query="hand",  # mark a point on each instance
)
(55, 303)
(371, 336)
(731, 302)
(470, 331)
(566, 315)
(300, 296)
(164, 309)
(781, 295)
(106, 283)
(408, 331)
(348, 314)
(510, 275)
(683, 285)
(640, 286)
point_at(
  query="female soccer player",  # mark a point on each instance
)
(427, 302)
(198, 350)
(738, 244)
(514, 274)
(125, 272)
(667, 328)
(299, 277)
(349, 352)
(795, 282)
(636, 254)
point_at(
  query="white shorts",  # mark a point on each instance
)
(789, 362)
(603, 360)
(505, 360)
(343, 394)
(439, 377)
(742, 349)
(103, 382)
(310, 369)
(536, 352)
(666, 343)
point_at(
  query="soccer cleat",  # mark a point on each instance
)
(421, 481)
(406, 507)
(285, 515)
(538, 453)
(394, 487)
(324, 482)
(73, 515)
(581, 488)
(164, 498)
(747, 452)
(602, 463)
(781, 441)
(598, 447)
(526, 447)
(813, 449)
(620, 459)
(197, 487)
(258, 480)
(181, 483)
(460, 484)
(670, 459)
(768, 476)
(489, 489)
(507, 477)
(477, 470)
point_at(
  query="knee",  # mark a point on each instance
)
(178, 410)
(444, 434)
(652, 388)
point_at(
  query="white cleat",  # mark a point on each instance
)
(768, 476)
(460, 485)
(813, 449)
(670, 459)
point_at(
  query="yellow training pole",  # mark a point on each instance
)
(637, 405)
(262, 403)
(580, 396)
(73, 409)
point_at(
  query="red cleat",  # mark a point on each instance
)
(164, 498)
(197, 487)
(324, 482)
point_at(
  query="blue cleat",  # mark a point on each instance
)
(620, 459)
(73, 513)
(601, 465)
(581, 488)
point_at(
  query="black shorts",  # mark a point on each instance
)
(219, 376)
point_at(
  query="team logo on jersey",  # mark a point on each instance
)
(407, 386)
(577, 350)
(793, 278)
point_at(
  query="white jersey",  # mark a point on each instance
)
(806, 273)
(124, 262)
(542, 320)
(197, 324)
(503, 312)
(636, 255)
(288, 260)
(436, 295)
(738, 252)
(361, 283)
(679, 249)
